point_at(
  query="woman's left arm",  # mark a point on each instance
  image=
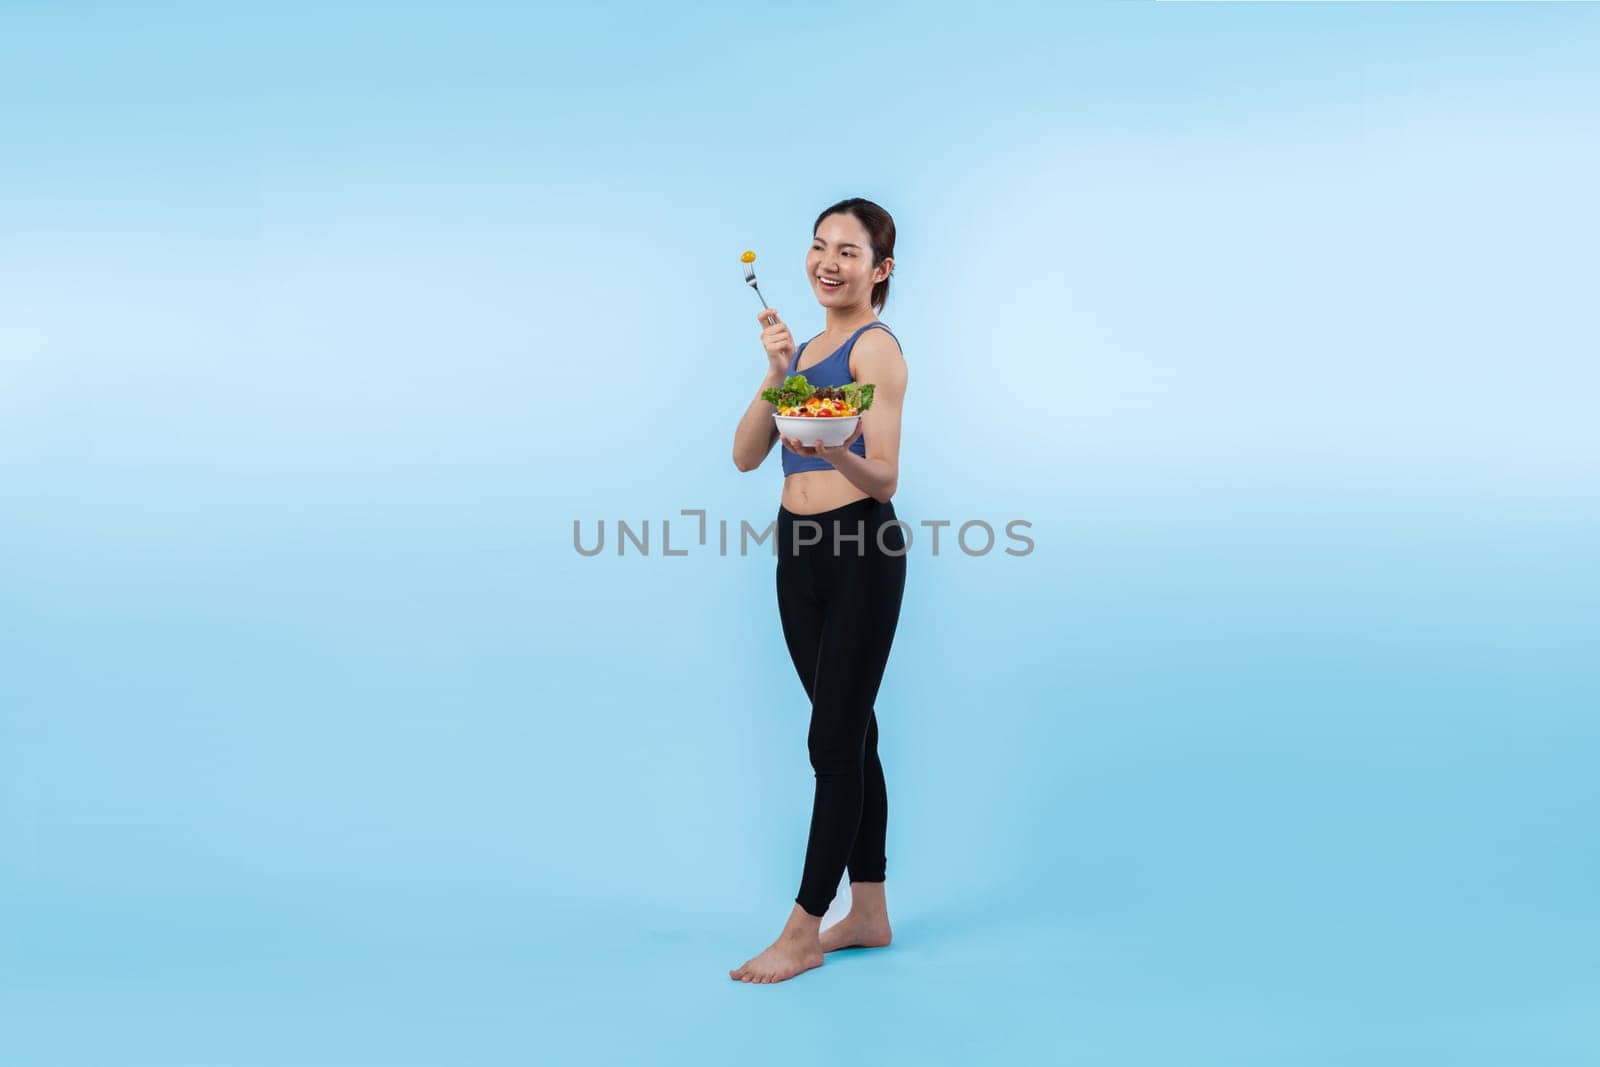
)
(878, 360)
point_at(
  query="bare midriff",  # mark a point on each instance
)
(810, 492)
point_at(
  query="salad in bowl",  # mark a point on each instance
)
(825, 416)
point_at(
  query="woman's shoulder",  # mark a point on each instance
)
(879, 351)
(874, 340)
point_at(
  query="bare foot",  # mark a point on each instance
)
(785, 958)
(857, 931)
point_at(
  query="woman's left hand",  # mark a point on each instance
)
(832, 453)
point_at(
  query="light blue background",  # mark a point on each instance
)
(320, 324)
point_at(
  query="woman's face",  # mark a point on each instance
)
(841, 253)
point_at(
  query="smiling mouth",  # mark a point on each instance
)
(827, 284)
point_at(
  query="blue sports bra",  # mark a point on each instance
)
(834, 371)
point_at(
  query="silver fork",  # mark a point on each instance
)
(750, 276)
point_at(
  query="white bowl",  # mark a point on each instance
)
(832, 430)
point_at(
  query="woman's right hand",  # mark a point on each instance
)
(776, 340)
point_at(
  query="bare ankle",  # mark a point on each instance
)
(866, 898)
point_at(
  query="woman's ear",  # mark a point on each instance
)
(887, 266)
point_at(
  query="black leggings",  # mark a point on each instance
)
(839, 608)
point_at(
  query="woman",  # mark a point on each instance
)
(840, 575)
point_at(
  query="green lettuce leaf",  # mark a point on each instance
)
(794, 390)
(859, 395)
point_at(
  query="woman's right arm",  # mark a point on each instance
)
(757, 431)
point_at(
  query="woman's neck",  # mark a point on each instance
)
(849, 319)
